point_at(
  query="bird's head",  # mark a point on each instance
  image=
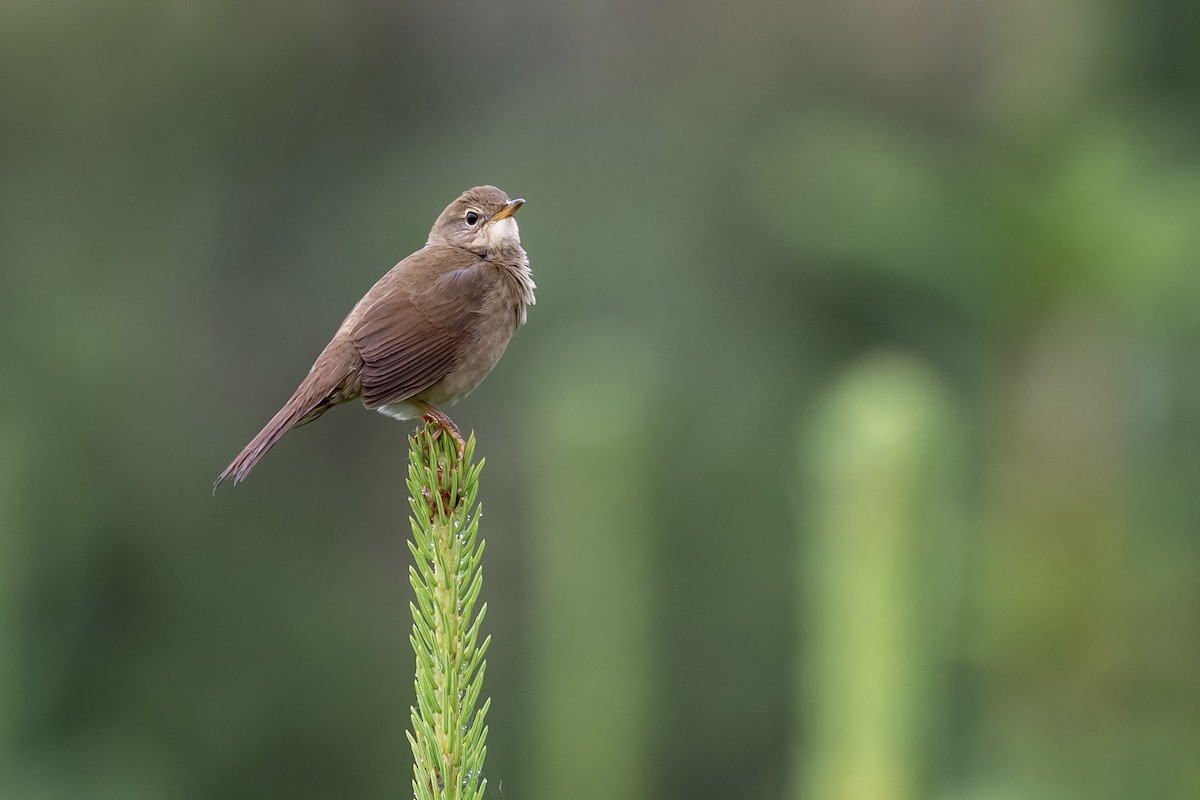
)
(480, 220)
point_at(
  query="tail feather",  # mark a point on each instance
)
(312, 399)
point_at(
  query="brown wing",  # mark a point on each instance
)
(414, 321)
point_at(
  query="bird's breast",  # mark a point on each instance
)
(496, 322)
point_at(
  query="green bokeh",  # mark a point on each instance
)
(731, 208)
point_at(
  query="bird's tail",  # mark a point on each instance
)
(316, 394)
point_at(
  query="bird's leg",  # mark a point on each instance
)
(433, 415)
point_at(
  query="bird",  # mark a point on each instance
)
(426, 334)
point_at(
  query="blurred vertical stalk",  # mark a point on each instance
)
(878, 551)
(590, 634)
(448, 735)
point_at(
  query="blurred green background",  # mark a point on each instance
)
(851, 451)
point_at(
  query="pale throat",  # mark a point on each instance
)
(503, 233)
(504, 236)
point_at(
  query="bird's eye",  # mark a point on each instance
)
(472, 219)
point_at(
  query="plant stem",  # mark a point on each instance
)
(448, 735)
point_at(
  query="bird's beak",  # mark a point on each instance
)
(509, 209)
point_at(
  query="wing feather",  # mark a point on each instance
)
(412, 326)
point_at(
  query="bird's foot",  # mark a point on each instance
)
(435, 416)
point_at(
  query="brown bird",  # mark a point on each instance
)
(427, 333)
